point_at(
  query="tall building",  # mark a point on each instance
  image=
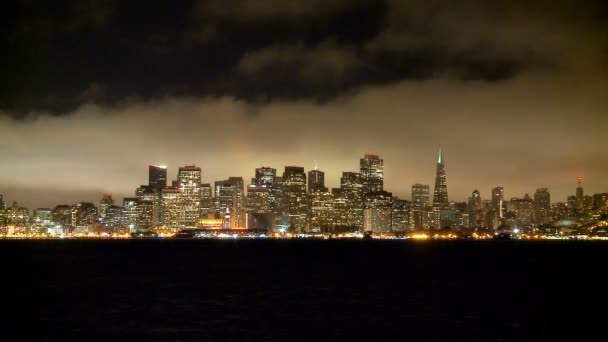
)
(401, 215)
(18, 217)
(421, 195)
(189, 183)
(130, 214)
(258, 199)
(230, 194)
(322, 212)
(440, 196)
(474, 209)
(172, 208)
(105, 202)
(149, 207)
(377, 215)
(316, 180)
(294, 201)
(542, 206)
(265, 175)
(349, 199)
(83, 214)
(579, 204)
(498, 197)
(207, 205)
(372, 173)
(2, 211)
(157, 177)
(42, 220)
(62, 216)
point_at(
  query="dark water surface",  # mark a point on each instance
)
(190, 290)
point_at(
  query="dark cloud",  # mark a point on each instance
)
(514, 90)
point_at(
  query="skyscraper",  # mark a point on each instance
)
(189, 183)
(207, 205)
(579, 194)
(316, 180)
(542, 205)
(372, 173)
(105, 202)
(421, 195)
(265, 176)
(294, 203)
(440, 196)
(157, 177)
(230, 194)
(474, 208)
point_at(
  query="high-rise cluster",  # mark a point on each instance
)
(300, 202)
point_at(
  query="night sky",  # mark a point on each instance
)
(516, 92)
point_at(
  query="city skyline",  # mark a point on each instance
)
(162, 172)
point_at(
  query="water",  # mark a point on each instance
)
(191, 290)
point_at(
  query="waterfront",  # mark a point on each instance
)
(185, 290)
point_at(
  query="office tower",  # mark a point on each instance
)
(600, 203)
(18, 217)
(372, 173)
(149, 207)
(579, 195)
(498, 200)
(349, 200)
(189, 183)
(294, 199)
(129, 216)
(157, 177)
(172, 208)
(316, 180)
(440, 196)
(401, 215)
(523, 209)
(42, 220)
(83, 214)
(105, 202)
(62, 216)
(322, 212)
(474, 209)
(258, 199)
(229, 194)
(542, 206)
(114, 219)
(265, 175)
(2, 212)
(421, 195)
(377, 212)
(207, 205)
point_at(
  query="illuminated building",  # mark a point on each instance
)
(523, 208)
(265, 175)
(189, 183)
(440, 195)
(401, 215)
(18, 218)
(229, 194)
(372, 173)
(579, 195)
(2, 212)
(542, 206)
(157, 177)
(83, 214)
(421, 195)
(474, 209)
(377, 212)
(114, 217)
(294, 199)
(600, 203)
(105, 202)
(316, 180)
(172, 208)
(496, 213)
(349, 199)
(42, 220)
(207, 205)
(129, 216)
(62, 216)
(149, 207)
(322, 212)
(258, 198)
